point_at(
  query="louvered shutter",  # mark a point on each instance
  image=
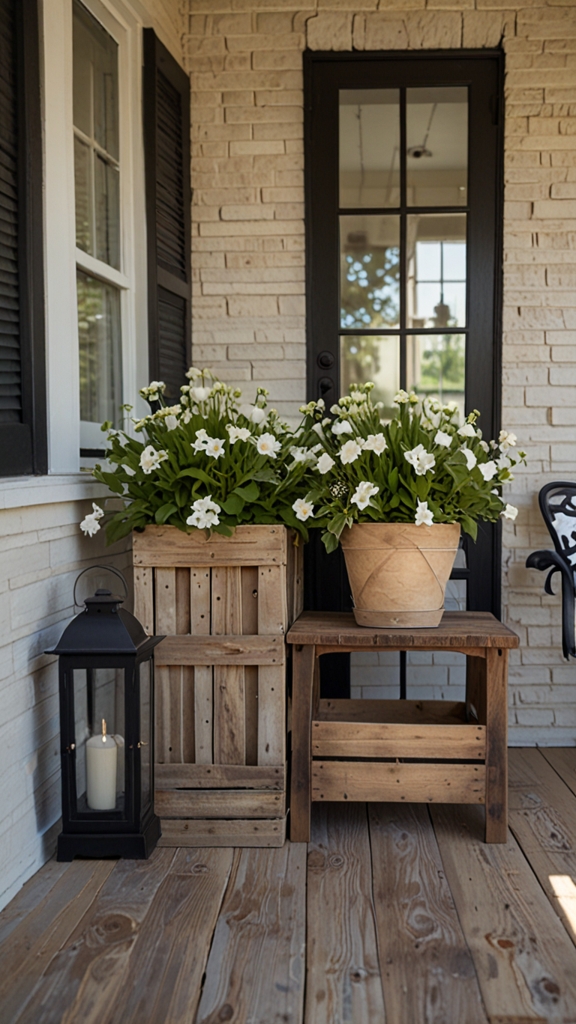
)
(22, 420)
(167, 160)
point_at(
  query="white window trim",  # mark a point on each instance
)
(61, 255)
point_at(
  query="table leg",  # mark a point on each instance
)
(496, 745)
(303, 666)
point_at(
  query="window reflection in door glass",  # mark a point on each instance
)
(369, 148)
(369, 271)
(436, 265)
(437, 146)
(369, 357)
(100, 352)
(436, 366)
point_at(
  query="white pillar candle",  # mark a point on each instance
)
(101, 763)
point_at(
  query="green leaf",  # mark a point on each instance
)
(393, 479)
(164, 513)
(250, 493)
(197, 474)
(330, 541)
(233, 504)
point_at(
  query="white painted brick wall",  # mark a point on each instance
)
(245, 60)
(41, 553)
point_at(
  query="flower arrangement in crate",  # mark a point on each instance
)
(209, 462)
(414, 481)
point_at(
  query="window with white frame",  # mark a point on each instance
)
(99, 277)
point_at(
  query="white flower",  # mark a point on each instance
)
(420, 459)
(484, 446)
(467, 430)
(401, 397)
(342, 427)
(150, 459)
(349, 452)
(471, 459)
(318, 428)
(375, 443)
(202, 439)
(443, 439)
(267, 444)
(325, 463)
(129, 470)
(153, 391)
(510, 512)
(506, 440)
(199, 394)
(254, 413)
(503, 462)
(424, 516)
(171, 422)
(90, 524)
(214, 447)
(237, 433)
(488, 469)
(186, 416)
(303, 455)
(363, 493)
(193, 372)
(204, 513)
(303, 509)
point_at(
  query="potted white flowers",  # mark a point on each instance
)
(396, 496)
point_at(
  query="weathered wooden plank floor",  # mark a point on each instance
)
(394, 915)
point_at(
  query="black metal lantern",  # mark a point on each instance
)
(106, 682)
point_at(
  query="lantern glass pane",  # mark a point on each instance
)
(99, 736)
(145, 731)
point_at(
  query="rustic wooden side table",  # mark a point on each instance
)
(401, 750)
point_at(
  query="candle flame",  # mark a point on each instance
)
(104, 730)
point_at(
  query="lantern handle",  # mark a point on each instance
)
(108, 568)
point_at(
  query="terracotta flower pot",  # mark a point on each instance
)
(398, 571)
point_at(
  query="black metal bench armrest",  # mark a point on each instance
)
(543, 560)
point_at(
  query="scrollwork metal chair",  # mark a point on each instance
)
(558, 506)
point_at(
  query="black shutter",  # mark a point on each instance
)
(167, 160)
(22, 374)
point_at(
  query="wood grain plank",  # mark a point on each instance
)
(364, 739)
(220, 650)
(343, 980)
(249, 545)
(144, 598)
(164, 976)
(413, 783)
(427, 967)
(219, 776)
(416, 712)
(543, 820)
(84, 977)
(168, 734)
(563, 761)
(457, 631)
(256, 833)
(303, 672)
(524, 960)
(272, 619)
(28, 951)
(200, 625)
(219, 803)
(229, 710)
(29, 897)
(248, 977)
(249, 583)
(496, 676)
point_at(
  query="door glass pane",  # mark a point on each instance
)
(435, 366)
(369, 271)
(436, 267)
(437, 146)
(369, 148)
(99, 739)
(95, 90)
(364, 358)
(100, 353)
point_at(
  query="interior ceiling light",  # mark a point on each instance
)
(419, 151)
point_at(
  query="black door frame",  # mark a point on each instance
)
(483, 71)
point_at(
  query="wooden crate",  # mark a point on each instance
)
(225, 604)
